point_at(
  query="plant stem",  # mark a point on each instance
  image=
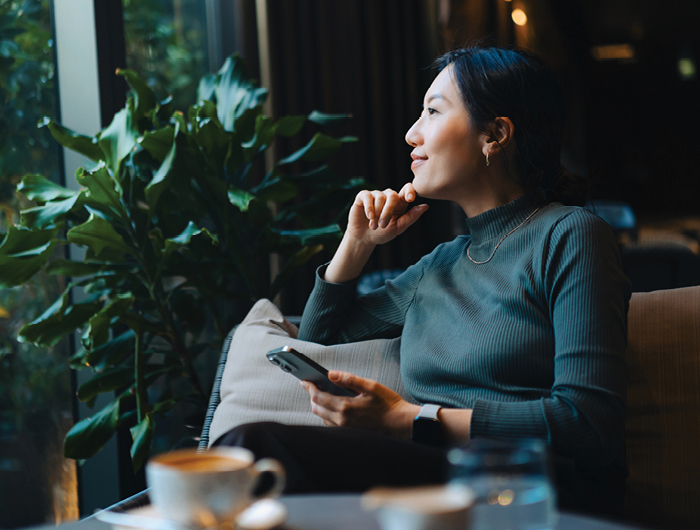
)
(139, 376)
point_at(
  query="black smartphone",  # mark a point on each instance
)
(303, 368)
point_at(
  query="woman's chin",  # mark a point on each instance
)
(423, 191)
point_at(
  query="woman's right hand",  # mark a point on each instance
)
(377, 217)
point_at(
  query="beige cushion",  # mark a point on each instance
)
(253, 390)
(663, 419)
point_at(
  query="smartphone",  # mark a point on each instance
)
(303, 368)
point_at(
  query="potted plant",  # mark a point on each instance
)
(174, 215)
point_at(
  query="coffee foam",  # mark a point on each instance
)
(203, 463)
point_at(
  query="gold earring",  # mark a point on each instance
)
(488, 162)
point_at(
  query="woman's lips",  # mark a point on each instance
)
(417, 161)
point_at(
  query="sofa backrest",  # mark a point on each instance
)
(663, 409)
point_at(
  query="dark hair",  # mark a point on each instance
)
(512, 83)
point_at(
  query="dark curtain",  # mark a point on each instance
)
(371, 59)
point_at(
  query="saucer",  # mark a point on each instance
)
(265, 514)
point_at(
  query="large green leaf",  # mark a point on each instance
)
(264, 134)
(39, 189)
(98, 234)
(322, 118)
(97, 332)
(84, 145)
(206, 88)
(117, 378)
(20, 240)
(215, 142)
(111, 352)
(182, 239)
(53, 212)
(144, 97)
(107, 381)
(103, 188)
(312, 236)
(240, 198)
(235, 92)
(23, 253)
(159, 142)
(88, 436)
(142, 436)
(60, 319)
(206, 110)
(119, 138)
(64, 267)
(165, 172)
(276, 190)
(289, 125)
(320, 147)
(142, 433)
(245, 123)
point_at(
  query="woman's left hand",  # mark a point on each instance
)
(375, 408)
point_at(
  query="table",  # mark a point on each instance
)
(343, 512)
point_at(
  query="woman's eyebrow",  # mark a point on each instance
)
(432, 97)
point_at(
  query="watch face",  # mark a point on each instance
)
(427, 431)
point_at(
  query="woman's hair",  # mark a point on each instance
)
(512, 83)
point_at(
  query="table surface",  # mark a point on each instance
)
(343, 512)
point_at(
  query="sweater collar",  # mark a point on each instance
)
(497, 222)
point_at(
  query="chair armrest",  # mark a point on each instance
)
(135, 501)
(215, 397)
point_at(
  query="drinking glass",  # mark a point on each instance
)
(512, 483)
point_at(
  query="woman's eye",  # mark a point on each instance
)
(431, 111)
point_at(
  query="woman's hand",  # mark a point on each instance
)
(377, 217)
(375, 408)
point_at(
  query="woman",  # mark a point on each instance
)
(515, 331)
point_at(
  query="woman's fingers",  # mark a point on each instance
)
(326, 406)
(379, 219)
(408, 192)
(380, 205)
(365, 199)
(392, 207)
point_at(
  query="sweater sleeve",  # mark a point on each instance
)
(334, 313)
(588, 297)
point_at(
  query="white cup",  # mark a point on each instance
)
(421, 508)
(210, 488)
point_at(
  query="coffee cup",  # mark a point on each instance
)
(209, 488)
(437, 507)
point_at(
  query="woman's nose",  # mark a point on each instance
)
(412, 136)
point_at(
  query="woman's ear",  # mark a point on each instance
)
(500, 136)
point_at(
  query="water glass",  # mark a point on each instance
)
(512, 483)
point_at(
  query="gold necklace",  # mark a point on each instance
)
(501, 241)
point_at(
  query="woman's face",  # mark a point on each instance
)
(448, 150)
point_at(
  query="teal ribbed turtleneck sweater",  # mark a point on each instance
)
(533, 340)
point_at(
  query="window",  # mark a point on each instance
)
(167, 44)
(35, 390)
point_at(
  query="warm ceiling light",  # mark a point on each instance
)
(613, 51)
(519, 17)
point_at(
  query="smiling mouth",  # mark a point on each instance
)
(418, 161)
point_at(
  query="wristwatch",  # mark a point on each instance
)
(426, 426)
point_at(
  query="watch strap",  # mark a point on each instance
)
(426, 426)
(429, 411)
